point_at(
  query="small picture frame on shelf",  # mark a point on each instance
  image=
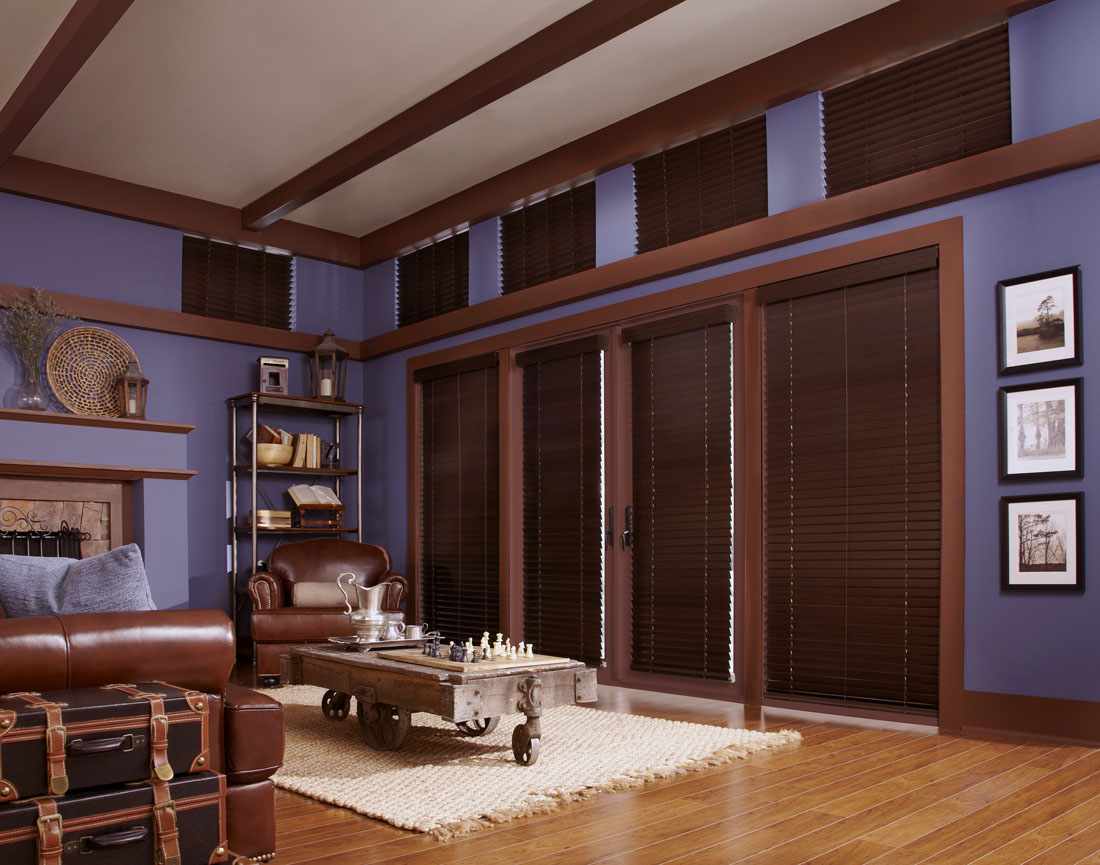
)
(1042, 547)
(1040, 430)
(1039, 320)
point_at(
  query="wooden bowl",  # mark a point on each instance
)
(273, 455)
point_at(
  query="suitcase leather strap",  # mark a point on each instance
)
(160, 768)
(50, 842)
(57, 778)
(164, 821)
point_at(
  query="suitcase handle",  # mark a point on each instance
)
(81, 747)
(114, 840)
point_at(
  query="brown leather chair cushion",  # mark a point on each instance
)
(299, 623)
(324, 559)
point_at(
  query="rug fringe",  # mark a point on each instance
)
(554, 801)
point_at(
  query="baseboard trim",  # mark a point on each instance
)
(1048, 719)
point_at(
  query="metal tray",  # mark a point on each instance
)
(358, 644)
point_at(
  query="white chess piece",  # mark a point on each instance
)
(530, 651)
(484, 640)
(522, 651)
(513, 654)
(487, 653)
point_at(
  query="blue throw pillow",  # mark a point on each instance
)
(110, 583)
(30, 585)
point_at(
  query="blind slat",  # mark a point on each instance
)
(550, 239)
(433, 280)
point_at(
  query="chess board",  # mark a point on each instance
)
(416, 656)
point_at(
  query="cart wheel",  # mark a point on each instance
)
(384, 727)
(524, 748)
(335, 705)
(478, 727)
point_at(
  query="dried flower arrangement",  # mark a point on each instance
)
(28, 326)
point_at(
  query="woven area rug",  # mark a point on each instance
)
(448, 785)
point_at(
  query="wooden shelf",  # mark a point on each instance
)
(295, 404)
(35, 468)
(245, 468)
(247, 530)
(92, 420)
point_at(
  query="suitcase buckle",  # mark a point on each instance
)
(49, 823)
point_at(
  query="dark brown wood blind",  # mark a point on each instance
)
(682, 575)
(939, 107)
(563, 509)
(852, 490)
(702, 186)
(222, 280)
(434, 279)
(459, 504)
(550, 239)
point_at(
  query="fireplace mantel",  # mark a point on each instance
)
(58, 417)
(84, 471)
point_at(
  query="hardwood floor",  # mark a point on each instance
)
(853, 792)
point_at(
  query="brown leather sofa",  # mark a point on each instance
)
(190, 648)
(278, 624)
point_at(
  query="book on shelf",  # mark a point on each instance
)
(269, 519)
(317, 496)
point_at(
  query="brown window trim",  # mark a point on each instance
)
(947, 235)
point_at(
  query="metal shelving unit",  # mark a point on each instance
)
(250, 472)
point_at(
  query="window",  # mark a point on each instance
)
(681, 393)
(553, 238)
(852, 484)
(563, 505)
(222, 280)
(702, 186)
(939, 107)
(433, 280)
(459, 499)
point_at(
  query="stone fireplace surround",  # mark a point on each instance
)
(137, 468)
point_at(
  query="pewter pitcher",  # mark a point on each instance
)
(369, 619)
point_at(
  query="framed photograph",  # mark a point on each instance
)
(1041, 546)
(1040, 429)
(1039, 320)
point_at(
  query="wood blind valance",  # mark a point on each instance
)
(236, 283)
(852, 488)
(563, 506)
(939, 107)
(550, 239)
(459, 500)
(705, 185)
(434, 279)
(682, 473)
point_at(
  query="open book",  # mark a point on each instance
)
(304, 494)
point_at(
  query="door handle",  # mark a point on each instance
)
(628, 527)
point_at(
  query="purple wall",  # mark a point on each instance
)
(184, 536)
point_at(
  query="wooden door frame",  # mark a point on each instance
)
(948, 236)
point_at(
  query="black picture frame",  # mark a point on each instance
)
(1012, 292)
(1007, 430)
(1068, 511)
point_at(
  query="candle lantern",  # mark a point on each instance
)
(132, 388)
(328, 368)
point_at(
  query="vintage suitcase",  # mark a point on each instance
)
(58, 741)
(178, 822)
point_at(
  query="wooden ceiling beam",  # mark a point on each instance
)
(74, 41)
(888, 35)
(566, 39)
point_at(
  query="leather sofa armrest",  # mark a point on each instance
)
(253, 735)
(189, 648)
(394, 596)
(266, 591)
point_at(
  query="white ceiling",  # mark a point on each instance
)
(225, 99)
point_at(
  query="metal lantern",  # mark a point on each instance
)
(328, 368)
(132, 388)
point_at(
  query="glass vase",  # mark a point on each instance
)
(32, 393)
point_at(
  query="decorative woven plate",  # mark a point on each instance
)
(84, 365)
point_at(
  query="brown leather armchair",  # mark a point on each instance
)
(189, 648)
(296, 600)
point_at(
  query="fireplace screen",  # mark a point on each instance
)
(23, 534)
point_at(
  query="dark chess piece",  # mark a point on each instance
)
(458, 653)
(474, 657)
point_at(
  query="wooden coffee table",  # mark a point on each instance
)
(389, 687)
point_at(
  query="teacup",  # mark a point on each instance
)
(415, 632)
